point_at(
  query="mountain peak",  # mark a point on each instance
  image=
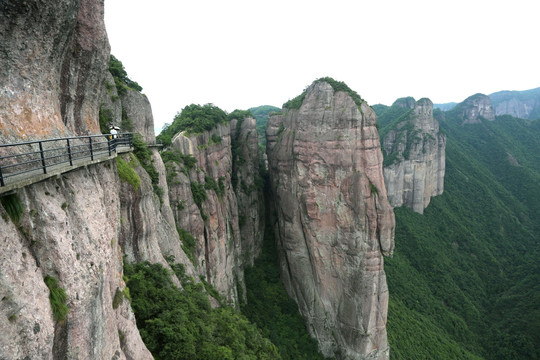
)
(405, 102)
(474, 108)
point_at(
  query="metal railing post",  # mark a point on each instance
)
(42, 158)
(109, 144)
(1, 178)
(91, 150)
(69, 153)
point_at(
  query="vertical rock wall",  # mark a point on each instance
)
(334, 222)
(53, 58)
(76, 227)
(211, 216)
(68, 230)
(414, 164)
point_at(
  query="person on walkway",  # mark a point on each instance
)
(113, 136)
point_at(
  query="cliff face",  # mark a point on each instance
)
(334, 222)
(52, 67)
(69, 230)
(216, 200)
(521, 104)
(475, 107)
(77, 227)
(414, 163)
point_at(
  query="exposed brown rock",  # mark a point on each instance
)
(215, 224)
(334, 222)
(139, 112)
(51, 68)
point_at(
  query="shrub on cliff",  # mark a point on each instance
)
(121, 79)
(57, 298)
(193, 119)
(127, 174)
(13, 206)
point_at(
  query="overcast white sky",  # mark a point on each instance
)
(240, 54)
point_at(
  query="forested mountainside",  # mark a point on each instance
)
(465, 277)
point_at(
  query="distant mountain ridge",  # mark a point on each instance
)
(521, 104)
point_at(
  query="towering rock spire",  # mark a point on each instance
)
(414, 163)
(334, 222)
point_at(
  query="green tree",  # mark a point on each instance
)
(121, 79)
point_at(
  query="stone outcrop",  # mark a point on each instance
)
(130, 111)
(147, 227)
(205, 205)
(475, 107)
(414, 163)
(334, 222)
(53, 57)
(138, 114)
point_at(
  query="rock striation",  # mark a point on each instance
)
(334, 222)
(69, 231)
(216, 200)
(414, 157)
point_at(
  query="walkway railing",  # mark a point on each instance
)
(42, 155)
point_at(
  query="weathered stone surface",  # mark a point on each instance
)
(414, 163)
(147, 228)
(475, 107)
(52, 71)
(334, 222)
(215, 224)
(52, 67)
(248, 188)
(69, 230)
(110, 103)
(139, 113)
